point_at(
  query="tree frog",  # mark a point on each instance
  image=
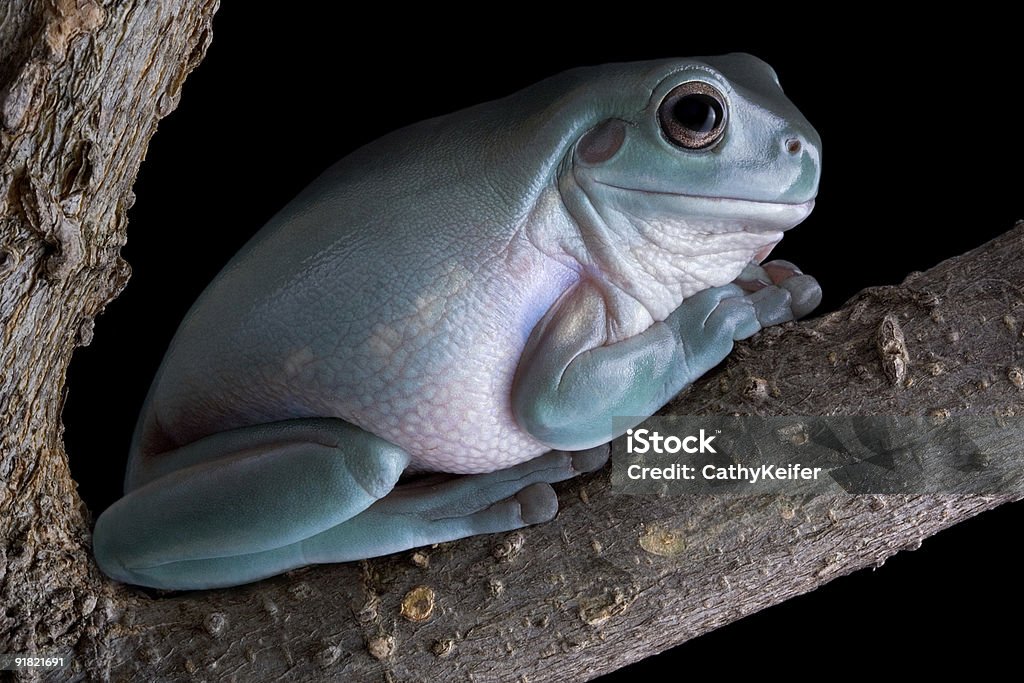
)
(476, 294)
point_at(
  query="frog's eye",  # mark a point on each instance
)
(693, 115)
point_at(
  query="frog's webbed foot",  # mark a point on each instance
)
(418, 514)
(707, 324)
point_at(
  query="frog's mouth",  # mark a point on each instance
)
(752, 215)
(642, 190)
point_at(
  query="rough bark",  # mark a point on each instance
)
(82, 86)
(612, 580)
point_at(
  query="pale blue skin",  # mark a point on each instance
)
(463, 295)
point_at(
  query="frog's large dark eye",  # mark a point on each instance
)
(693, 115)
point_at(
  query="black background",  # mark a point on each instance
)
(922, 146)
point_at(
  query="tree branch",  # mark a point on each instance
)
(614, 579)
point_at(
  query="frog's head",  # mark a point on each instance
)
(711, 128)
(690, 169)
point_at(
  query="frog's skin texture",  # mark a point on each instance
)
(478, 294)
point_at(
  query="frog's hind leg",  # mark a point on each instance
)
(231, 508)
(256, 502)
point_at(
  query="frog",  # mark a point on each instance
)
(446, 321)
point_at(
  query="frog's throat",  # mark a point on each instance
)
(660, 248)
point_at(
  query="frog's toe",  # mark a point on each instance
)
(753, 278)
(591, 459)
(780, 270)
(805, 293)
(772, 306)
(537, 503)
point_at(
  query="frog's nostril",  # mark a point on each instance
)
(793, 145)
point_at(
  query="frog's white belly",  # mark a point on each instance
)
(437, 378)
(452, 412)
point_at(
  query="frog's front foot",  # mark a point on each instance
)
(804, 291)
(706, 325)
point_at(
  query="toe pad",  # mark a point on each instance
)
(538, 503)
(591, 459)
